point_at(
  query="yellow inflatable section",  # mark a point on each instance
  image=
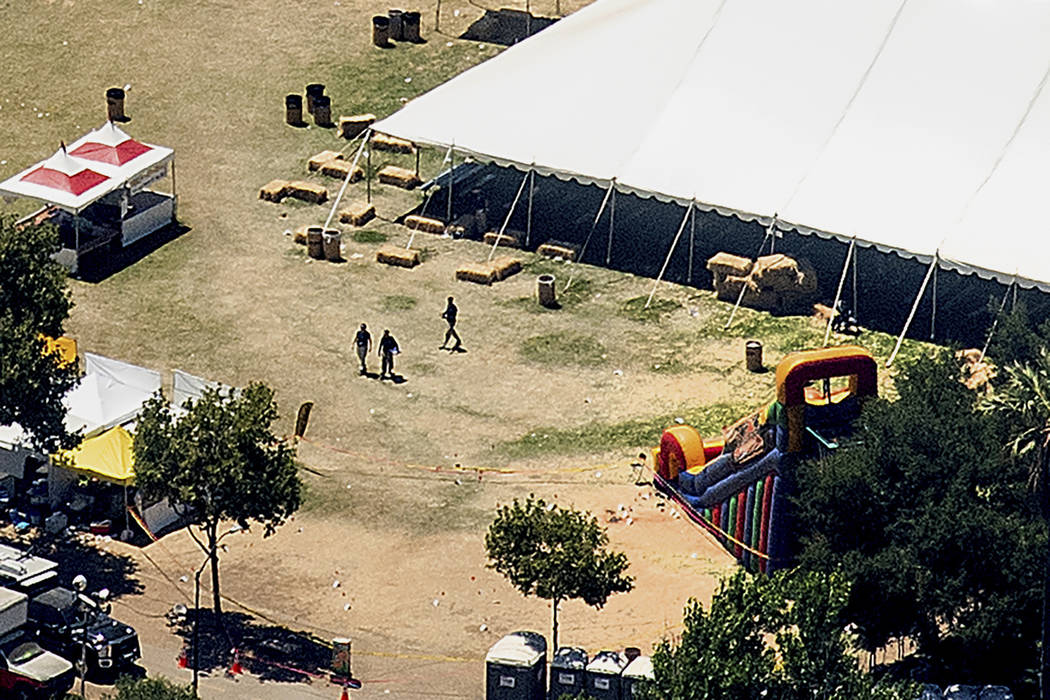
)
(681, 448)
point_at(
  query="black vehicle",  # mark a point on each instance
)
(57, 617)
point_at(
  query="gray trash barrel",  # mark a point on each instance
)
(410, 22)
(545, 291)
(397, 26)
(753, 355)
(293, 109)
(381, 31)
(315, 242)
(115, 105)
(332, 241)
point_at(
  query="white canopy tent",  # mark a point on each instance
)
(917, 126)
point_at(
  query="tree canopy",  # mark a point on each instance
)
(555, 553)
(34, 304)
(930, 522)
(219, 461)
(782, 636)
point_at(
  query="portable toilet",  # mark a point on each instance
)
(516, 668)
(567, 672)
(603, 675)
(639, 670)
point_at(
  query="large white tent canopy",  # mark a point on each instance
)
(918, 126)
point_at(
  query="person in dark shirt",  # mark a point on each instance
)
(363, 342)
(450, 317)
(387, 349)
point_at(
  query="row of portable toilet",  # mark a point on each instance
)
(516, 669)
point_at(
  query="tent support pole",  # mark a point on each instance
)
(528, 219)
(417, 162)
(510, 212)
(598, 216)
(174, 193)
(995, 321)
(838, 291)
(856, 311)
(667, 260)
(368, 166)
(914, 308)
(933, 310)
(426, 203)
(451, 177)
(437, 17)
(612, 220)
(346, 181)
(692, 246)
(743, 288)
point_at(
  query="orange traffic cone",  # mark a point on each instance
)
(345, 695)
(236, 669)
(182, 660)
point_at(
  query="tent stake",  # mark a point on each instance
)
(528, 219)
(838, 291)
(608, 194)
(743, 288)
(346, 181)
(914, 308)
(612, 219)
(667, 260)
(510, 212)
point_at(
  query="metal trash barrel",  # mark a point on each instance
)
(545, 291)
(313, 91)
(115, 104)
(753, 356)
(315, 242)
(381, 31)
(410, 22)
(323, 110)
(293, 109)
(332, 242)
(397, 26)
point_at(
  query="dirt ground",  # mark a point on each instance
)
(235, 300)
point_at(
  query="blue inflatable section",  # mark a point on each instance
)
(738, 481)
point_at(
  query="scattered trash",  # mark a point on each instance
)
(347, 606)
(335, 584)
(355, 256)
(481, 47)
(410, 394)
(630, 521)
(65, 43)
(483, 627)
(127, 86)
(618, 372)
(455, 13)
(436, 602)
(404, 100)
(448, 43)
(288, 232)
(348, 486)
(645, 496)
(408, 80)
(598, 475)
(656, 366)
(550, 507)
(184, 578)
(459, 482)
(679, 420)
(372, 411)
(587, 400)
(693, 555)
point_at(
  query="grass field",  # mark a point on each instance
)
(562, 399)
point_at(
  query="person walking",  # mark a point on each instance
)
(387, 349)
(363, 342)
(450, 317)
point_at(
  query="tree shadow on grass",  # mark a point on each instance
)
(268, 652)
(102, 569)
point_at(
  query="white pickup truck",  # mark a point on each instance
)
(26, 670)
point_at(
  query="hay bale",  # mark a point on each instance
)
(318, 161)
(722, 264)
(422, 223)
(505, 266)
(382, 142)
(559, 249)
(397, 256)
(351, 126)
(275, 190)
(778, 272)
(342, 168)
(399, 177)
(300, 234)
(479, 273)
(357, 214)
(308, 192)
(508, 239)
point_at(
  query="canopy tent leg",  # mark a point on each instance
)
(838, 291)
(608, 195)
(914, 308)
(612, 222)
(933, 310)
(667, 260)
(451, 177)
(426, 202)
(437, 17)
(417, 162)
(692, 246)
(995, 321)
(528, 219)
(510, 212)
(174, 193)
(856, 311)
(346, 181)
(368, 166)
(743, 288)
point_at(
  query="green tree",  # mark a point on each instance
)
(556, 554)
(1022, 398)
(34, 302)
(929, 522)
(220, 461)
(129, 688)
(780, 637)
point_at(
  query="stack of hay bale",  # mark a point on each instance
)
(488, 272)
(559, 249)
(774, 283)
(382, 142)
(422, 223)
(398, 256)
(399, 177)
(357, 214)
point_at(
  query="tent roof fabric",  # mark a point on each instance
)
(917, 126)
(93, 166)
(110, 393)
(107, 456)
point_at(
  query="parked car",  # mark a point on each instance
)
(57, 619)
(26, 670)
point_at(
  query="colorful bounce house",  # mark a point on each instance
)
(737, 486)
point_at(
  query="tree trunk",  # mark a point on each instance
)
(213, 554)
(554, 635)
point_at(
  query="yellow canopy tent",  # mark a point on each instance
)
(107, 456)
(64, 345)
